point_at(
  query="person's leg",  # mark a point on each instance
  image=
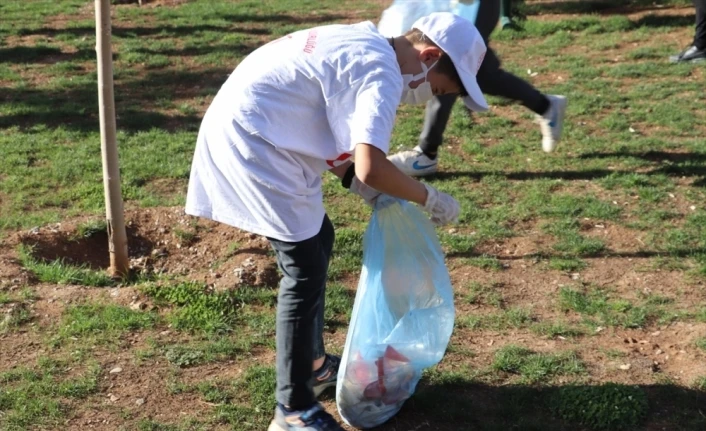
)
(299, 336)
(493, 80)
(550, 109)
(695, 52)
(304, 266)
(487, 19)
(325, 365)
(326, 238)
(506, 14)
(700, 33)
(436, 117)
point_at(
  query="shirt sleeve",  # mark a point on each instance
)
(365, 112)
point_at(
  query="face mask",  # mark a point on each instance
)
(420, 95)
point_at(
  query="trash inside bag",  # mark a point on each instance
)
(399, 17)
(402, 318)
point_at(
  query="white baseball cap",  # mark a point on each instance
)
(462, 42)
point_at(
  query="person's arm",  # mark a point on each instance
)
(374, 170)
(374, 174)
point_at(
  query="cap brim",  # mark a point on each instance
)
(475, 101)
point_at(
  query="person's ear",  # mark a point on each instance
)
(430, 54)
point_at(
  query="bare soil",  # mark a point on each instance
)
(227, 258)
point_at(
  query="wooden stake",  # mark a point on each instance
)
(117, 239)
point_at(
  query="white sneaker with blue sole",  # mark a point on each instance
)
(414, 162)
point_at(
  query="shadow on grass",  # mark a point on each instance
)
(666, 163)
(181, 31)
(237, 51)
(127, 32)
(466, 405)
(42, 55)
(665, 21)
(54, 55)
(601, 254)
(591, 174)
(604, 7)
(77, 106)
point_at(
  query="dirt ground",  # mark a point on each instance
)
(634, 356)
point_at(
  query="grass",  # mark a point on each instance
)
(606, 407)
(557, 329)
(103, 322)
(15, 318)
(58, 271)
(485, 294)
(532, 367)
(601, 309)
(567, 264)
(488, 263)
(619, 190)
(197, 308)
(208, 350)
(150, 425)
(38, 396)
(244, 402)
(700, 383)
(18, 313)
(91, 228)
(186, 237)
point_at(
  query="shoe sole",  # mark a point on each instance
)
(423, 174)
(418, 173)
(695, 60)
(274, 426)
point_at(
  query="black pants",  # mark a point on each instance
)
(300, 313)
(492, 79)
(700, 33)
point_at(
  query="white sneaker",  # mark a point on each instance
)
(414, 162)
(552, 122)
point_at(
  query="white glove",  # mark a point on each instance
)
(368, 193)
(443, 208)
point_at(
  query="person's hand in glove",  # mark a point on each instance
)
(368, 193)
(442, 207)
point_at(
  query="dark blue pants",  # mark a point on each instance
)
(300, 313)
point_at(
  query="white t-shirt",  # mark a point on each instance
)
(291, 110)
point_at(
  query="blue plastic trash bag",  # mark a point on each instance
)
(402, 14)
(402, 318)
(399, 17)
(467, 9)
